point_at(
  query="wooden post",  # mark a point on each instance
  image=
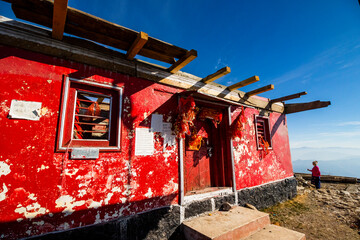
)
(59, 18)
(260, 90)
(244, 83)
(218, 74)
(137, 45)
(182, 62)
(289, 97)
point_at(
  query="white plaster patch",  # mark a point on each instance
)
(4, 169)
(171, 187)
(95, 204)
(108, 197)
(127, 191)
(82, 193)
(71, 172)
(3, 193)
(43, 167)
(68, 203)
(31, 210)
(149, 193)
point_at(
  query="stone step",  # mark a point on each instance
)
(273, 232)
(238, 223)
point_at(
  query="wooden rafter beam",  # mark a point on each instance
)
(90, 27)
(218, 74)
(137, 45)
(260, 90)
(289, 97)
(299, 107)
(182, 62)
(59, 18)
(244, 83)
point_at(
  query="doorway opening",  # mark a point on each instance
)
(207, 168)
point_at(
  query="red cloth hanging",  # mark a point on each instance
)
(186, 115)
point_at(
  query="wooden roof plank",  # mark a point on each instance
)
(218, 74)
(137, 45)
(91, 25)
(182, 62)
(59, 18)
(300, 107)
(260, 90)
(244, 83)
(289, 97)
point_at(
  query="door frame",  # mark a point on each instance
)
(181, 149)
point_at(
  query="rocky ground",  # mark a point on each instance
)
(331, 213)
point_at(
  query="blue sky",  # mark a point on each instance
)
(311, 46)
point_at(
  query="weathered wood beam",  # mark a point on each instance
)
(137, 45)
(96, 29)
(218, 74)
(244, 83)
(182, 62)
(299, 107)
(59, 18)
(260, 90)
(289, 97)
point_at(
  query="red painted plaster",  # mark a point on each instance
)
(251, 168)
(42, 190)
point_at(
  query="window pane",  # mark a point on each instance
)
(92, 116)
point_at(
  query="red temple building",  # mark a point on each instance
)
(93, 139)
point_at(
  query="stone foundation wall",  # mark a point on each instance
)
(164, 223)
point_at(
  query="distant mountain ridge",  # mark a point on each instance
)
(325, 154)
(346, 167)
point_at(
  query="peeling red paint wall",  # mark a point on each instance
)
(42, 190)
(252, 168)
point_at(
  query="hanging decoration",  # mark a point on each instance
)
(238, 125)
(214, 115)
(264, 146)
(187, 112)
(195, 141)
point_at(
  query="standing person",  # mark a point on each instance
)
(315, 178)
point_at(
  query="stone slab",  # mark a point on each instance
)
(273, 232)
(237, 223)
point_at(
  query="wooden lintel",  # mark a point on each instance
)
(260, 90)
(137, 45)
(244, 83)
(182, 62)
(218, 74)
(299, 107)
(59, 18)
(289, 97)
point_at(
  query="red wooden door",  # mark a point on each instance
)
(197, 163)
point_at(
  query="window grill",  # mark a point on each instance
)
(262, 131)
(92, 116)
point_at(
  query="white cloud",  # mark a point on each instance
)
(351, 123)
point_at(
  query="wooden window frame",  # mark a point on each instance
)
(267, 133)
(67, 115)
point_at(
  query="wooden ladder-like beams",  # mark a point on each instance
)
(260, 90)
(182, 62)
(137, 45)
(218, 74)
(244, 83)
(299, 107)
(59, 18)
(289, 97)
